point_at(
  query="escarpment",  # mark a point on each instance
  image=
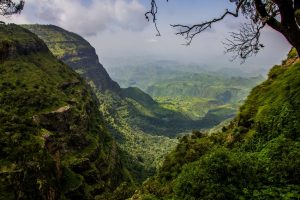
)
(76, 52)
(54, 144)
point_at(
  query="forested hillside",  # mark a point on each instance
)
(136, 121)
(255, 157)
(54, 144)
(73, 50)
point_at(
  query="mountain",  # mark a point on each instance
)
(76, 52)
(146, 128)
(205, 94)
(196, 95)
(165, 81)
(136, 121)
(61, 138)
(223, 89)
(143, 127)
(256, 156)
(54, 144)
(139, 96)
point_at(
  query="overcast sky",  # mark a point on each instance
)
(118, 30)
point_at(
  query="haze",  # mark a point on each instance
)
(121, 35)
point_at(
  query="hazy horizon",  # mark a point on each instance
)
(121, 35)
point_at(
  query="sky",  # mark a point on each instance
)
(122, 36)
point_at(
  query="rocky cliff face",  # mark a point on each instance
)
(54, 144)
(76, 52)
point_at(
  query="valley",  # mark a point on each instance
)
(258, 147)
(161, 121)
(196, 95)
(146, 126)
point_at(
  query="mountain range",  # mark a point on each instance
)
(141, 125)
(68, 131)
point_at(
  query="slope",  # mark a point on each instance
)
(141, 126)
(171, 116)
(255, 157)
(54, 144)
(128, 113)
(76, 52)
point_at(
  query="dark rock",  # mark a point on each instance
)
(56, 121)
(66, 85)
(81, 165)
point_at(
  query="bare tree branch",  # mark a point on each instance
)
(281, 15)
(189, 32)
(246, 42)
(152, 13)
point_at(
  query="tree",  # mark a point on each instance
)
(9, 7)
(282, 15)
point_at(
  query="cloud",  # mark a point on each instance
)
(152, 40)
(86, 17)
(46, 10)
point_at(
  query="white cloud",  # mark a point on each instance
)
(85, 19)
(124, 34)
(46, 10)
(152, 40)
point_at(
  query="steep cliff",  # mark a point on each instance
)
(53, 141)
(76, 52)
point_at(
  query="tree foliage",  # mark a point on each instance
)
(281, 15)
(9, 7)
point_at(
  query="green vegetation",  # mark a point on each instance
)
(76, 52)
(145, 151)
(127, 113)
(256, 156)
(142, 127)
(206, 96)
(53, 141)
(221, 88)
(196, 108)
(173, 81)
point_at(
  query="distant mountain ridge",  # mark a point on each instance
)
(158, 80)
(76, 52)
